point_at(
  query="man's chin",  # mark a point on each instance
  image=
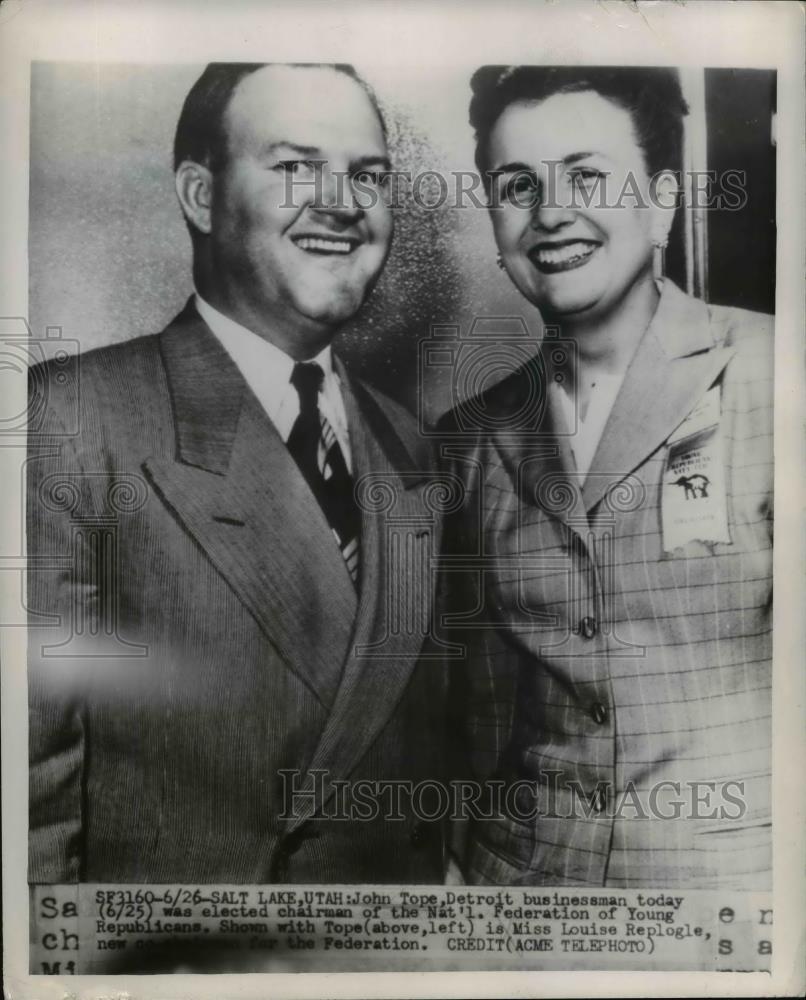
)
(334, 312)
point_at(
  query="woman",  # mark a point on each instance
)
(615, 682)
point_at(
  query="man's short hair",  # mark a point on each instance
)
(201, 133)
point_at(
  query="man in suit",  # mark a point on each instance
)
(215, 661)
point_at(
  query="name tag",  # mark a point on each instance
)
(694, 503)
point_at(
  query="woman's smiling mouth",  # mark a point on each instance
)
(550, 258)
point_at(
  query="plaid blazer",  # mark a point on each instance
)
(614, 680)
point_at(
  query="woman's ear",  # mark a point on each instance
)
(194, 188)
(664, 193)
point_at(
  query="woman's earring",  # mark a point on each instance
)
(499, 260)
(659, 258)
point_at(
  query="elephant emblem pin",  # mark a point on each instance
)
(694, 487)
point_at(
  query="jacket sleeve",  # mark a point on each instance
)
(54, 595)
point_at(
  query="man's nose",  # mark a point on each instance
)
(335, 196)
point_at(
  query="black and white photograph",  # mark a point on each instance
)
(394, 443)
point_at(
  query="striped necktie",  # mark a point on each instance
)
(315, 448)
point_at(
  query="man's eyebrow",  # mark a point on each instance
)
(368, 161)
(273, 147)
(315, 153)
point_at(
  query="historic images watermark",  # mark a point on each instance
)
(551, 795)
(312, 182)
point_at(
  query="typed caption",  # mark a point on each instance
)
(95, 929)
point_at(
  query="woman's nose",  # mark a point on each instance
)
(551, 215)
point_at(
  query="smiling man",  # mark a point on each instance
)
(196, 702)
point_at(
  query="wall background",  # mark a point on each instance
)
(109, 257)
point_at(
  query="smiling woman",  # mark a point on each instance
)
(581, 171)
(619, 635)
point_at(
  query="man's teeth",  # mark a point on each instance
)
(325, 245)
(562, 255)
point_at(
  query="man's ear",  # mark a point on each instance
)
(664, 196)
(194, 188)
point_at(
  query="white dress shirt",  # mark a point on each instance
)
(586, 434)
(267, 371)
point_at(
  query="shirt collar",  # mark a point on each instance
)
(681, 323)
(235, 337)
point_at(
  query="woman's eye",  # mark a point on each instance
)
(586, 175)
(522, 189)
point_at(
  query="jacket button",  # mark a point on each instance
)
(588, 627)
(598, 712)
(281, 866)
(289, 846)
(526, 801)
(294, 841)
(418, 835)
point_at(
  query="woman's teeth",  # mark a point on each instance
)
(567, 254)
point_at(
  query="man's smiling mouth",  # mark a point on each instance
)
(553, 257)
(338, 245)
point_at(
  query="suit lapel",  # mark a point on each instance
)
(383, 652)
(238, 492)
(540, 461)
(676, 362)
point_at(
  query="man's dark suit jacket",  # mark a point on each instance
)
(195, 632)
